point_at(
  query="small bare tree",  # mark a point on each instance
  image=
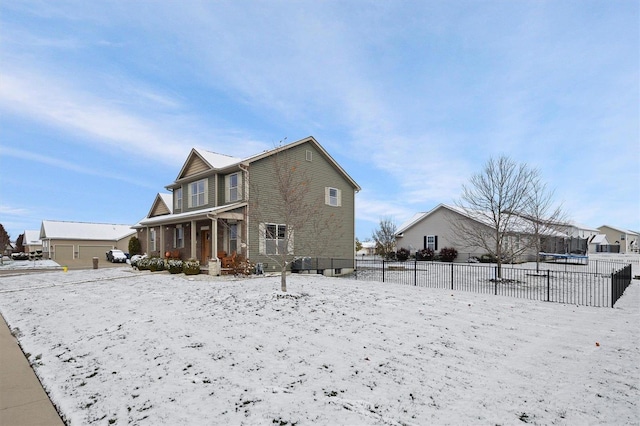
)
(544, 217)
(385, 237)
(297, 206)
(493, 198)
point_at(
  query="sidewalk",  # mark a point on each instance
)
(23, 402)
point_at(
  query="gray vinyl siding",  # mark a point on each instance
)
(321, 173)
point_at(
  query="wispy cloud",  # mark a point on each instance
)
(67, 165)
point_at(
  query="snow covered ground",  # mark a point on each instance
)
(117, 346)
(9, 264)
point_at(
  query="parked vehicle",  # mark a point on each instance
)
(20, 256)
(115, 255)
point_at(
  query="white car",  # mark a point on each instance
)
(115, 255)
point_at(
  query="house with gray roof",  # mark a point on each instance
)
(66, 242)
(211, 211)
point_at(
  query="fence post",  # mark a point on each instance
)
(382, 270)
(415, 272)
(548, 285)
(613, 289)
(452, 275)
(495, 287)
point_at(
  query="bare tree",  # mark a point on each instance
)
(296, 205)
(492, 198)
(385, 237)
(544, 217)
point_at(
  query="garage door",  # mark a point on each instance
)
(88, 252)
(62, 252)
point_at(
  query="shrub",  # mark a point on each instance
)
(175, 266)
(156, 264)
(425, 254)
(191, 267)
(448, 254)
(488, 258)
(402, 254)
(134, 246)
(143, 264)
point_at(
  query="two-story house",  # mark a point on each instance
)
(208, 212)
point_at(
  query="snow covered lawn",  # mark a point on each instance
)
(116, 346)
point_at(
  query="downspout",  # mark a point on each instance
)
(245, 198)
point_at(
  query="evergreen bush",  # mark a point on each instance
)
(175, 266)
(143, 264)
(134, 246)
(156, 264)
(191, 267)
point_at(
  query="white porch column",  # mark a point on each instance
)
(214, 238)
(193, 240)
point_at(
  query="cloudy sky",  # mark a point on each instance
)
(101, 101)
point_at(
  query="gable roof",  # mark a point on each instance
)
(53, 229)
(599, 239)
(314, 142)
(202, 162)
(31, 237)
(622, 231)
(162, 205)
(518, 224)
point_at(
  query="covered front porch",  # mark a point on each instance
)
(212, 236)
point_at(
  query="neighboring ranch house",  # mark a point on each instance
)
(207, 216)
(31, 241)
(626, 240)
(435, 230)
(71, 241)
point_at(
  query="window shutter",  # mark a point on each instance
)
(206, 191)
(189, 194)
(339, 197)
(262, 243)
(326, 195)
(435, 243)
(240, 191)
(226, 189)
(424, 243)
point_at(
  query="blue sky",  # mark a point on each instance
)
(101, 102)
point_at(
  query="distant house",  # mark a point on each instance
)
(207, 214)
(436, 229)
(68, 241)
(31, 241)
(368, 249)
(627, 241)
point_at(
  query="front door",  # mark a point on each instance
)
(205, 249)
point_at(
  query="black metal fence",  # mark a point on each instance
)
(551, 282)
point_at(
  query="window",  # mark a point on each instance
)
(198, 193)
(178, 240)
(232, 183)
(431, 242)
(273, 239)
(332, 197)
(309, 155)
(178, 197)
(152, 239)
